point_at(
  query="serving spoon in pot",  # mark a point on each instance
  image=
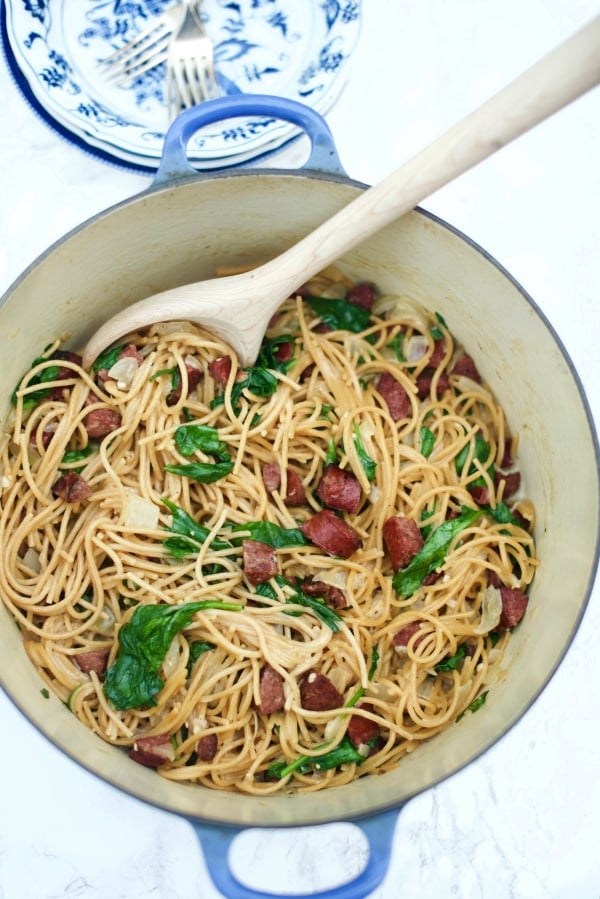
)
(238, 308)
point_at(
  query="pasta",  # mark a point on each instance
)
(282, 577)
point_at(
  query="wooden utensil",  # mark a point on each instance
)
(238, 308)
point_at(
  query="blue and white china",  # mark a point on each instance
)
(298, 50)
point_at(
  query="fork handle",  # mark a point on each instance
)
(174, 163)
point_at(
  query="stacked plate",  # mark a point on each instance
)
(298, 50)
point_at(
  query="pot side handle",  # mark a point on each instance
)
(174, 163)
(216, 842)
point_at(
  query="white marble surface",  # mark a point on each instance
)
(523, 821)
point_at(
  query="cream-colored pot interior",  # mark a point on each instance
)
(180, 233)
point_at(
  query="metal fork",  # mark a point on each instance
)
(190, 64)
(146, 50)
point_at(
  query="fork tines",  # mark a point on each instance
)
(145, 51)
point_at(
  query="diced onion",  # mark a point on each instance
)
(106, 621)
(425, 689)
(334, 576)
(416, 348)
(403, 308)
(171, 659)
(124, 371)
(491, 610)
(332, 728)
(32, 560)
(139, 512)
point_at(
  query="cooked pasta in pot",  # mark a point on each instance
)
(279, 577)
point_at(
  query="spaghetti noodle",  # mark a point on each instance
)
(281, 577)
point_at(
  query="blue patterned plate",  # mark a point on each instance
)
(287, 48)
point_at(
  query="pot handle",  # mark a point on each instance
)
(216, 841)
(174, 163)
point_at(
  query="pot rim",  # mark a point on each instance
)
(391, 803)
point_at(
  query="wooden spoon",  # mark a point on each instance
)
(238, 308)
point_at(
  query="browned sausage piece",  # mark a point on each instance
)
(331, 534)
(92, 660)
(361, 295)
(295, 494)
(402, 637)
(402, 539)
(512, 482)
(514, 605)
(464, 365)
(220, 369)
(271, 475)
(333, 596)
(339, 489)
(152, 751)
(272, 697)
(194, 376)
(425, 380)
(100, 422)
(67, 356)
(72, 488)
(395, 396)
(259, 561)
(318, 694)
(207, 747)
(362, 730)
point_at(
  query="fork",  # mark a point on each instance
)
(146, 50)
(190, 64)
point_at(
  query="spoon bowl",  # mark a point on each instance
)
(238, 308)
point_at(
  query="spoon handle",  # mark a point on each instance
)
(557, 79)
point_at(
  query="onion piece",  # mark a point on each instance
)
(32, 560)
(139, 512)
(403, 308)
(416, 348)
(491, 610)
(124, 371)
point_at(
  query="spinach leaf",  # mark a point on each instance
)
(267, 357)
(191, 535)
(197, 648)
(433, 553)
(78, 455)
(343, 754)
(340, 314)
(451, 663)
(427, 441)
(502, 514)
(481, 453)
(369, 465)
(202, 472)
(132, 681)
(361, 690)
(108, 358)
(396, 344)
(43, 377)
(320, 608)
(271, 534)
(476, 704)
(331, 456)
(189, 438)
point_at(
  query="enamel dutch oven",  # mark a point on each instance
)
(180, 230)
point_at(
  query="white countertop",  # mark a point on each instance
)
(523, 821)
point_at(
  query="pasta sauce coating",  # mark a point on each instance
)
(280, 577)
